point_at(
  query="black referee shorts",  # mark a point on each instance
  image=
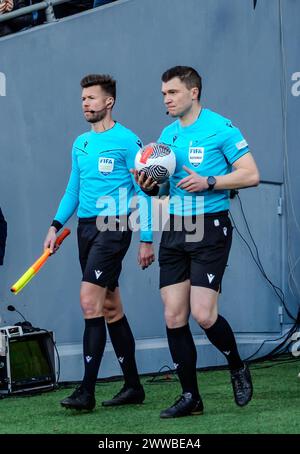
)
(204, 261)
(101, 252)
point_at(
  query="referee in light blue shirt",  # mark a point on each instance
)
(212, 157)
(101, 187)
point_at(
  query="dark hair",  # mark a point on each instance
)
(105, 81)
(186, 74)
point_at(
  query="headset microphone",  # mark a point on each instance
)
(98, 111)
(167, 113)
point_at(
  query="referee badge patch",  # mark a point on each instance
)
(196, 155)
(242, 144)
(106, 165)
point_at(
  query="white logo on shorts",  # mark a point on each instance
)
(225, 231)
(210, 277)
(88, 358)
(98, 273)
(121, 359)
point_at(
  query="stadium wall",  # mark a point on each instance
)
(247, 59)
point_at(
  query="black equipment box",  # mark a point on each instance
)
(27, 361)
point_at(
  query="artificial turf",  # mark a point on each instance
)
(274, 409)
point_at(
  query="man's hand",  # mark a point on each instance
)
(193, 182)
(146, 255)
(9, 4)
(50, 240)
(2, 8)
(6, 6)
(145, 183)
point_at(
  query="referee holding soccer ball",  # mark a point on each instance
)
(212, 157)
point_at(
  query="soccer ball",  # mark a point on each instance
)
(156, 160)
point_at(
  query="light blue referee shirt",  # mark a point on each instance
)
(100, 183)
(209, 146)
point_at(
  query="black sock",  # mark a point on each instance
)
(124, 345)
(184, 355)
(221, 336)
(94, 340)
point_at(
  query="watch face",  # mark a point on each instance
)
(211, 181)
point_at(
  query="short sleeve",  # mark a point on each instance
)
(234, 145)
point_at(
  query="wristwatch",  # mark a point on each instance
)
(211, 181)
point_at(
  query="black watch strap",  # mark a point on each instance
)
(211, 181)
